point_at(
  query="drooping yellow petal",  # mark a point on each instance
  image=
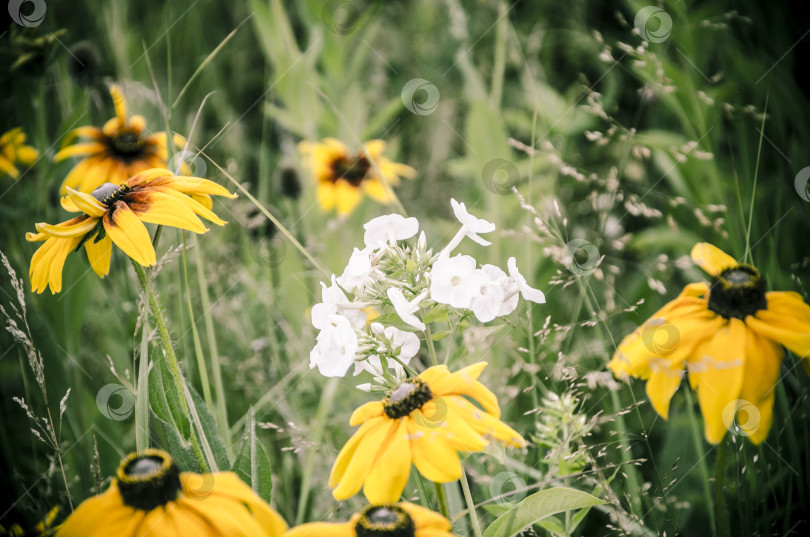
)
(99, 254)
(86, 203)
(711, 258)
(433, 455)
(347, 197)
(786, 321)
(374, 442)
(129, 234)
(75, 227)
(754, 414)
(392, 466)
(348, 451)
(717, 371)
(48, 261)
(662, 384)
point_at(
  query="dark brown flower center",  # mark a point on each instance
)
(738, 292)
(385, 521)
(109, 193)
(352, 170)
(405, 398)
(148, 480)
(126, 144)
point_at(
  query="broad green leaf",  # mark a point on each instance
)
(538, 506)
(211, 431)
(164, 401)
(252, 464)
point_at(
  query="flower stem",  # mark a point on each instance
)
(429, 338)
(701, 454)
(171, 359)
(719, 493)
(441, 499)
(465, 487)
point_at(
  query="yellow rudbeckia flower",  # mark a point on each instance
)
(424, 421)
(399, 520)
(115, 152)
(13, 151)
(150, 496)
(343, 179)
(116, 214)
(727, 336)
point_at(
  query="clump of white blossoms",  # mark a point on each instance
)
(406, 289)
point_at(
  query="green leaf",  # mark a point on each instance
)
(537, 507)
(438, 336)
(179, 449)
(211, 431)
(252, 464)
(163, 398)
(436, 315)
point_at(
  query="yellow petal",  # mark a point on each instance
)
(373, 443)
(754, 414)
(99, 254)
(662, 384)
(425, 518)
(48, 261)
(347, 197)
(27, 155)
(86, 203)
(129, 234)
(389, 472)
(717, 371)
(433, 455)
(464, 382)
(348, 451)
(365, 412)
(80, 150)
(785, 321)
(75, 227)
(197, 185)
(120, 104)
(711, 258)
(8, 168)
(156, 207)
(377, 191)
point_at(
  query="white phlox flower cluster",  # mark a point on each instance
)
(398, 290)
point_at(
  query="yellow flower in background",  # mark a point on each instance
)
(13, 151)
(115, 152)
(402, 519)
(116, 214)
(343, 179)
(424, 421)
(43, 528)
(150, 496)
(727, 336)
